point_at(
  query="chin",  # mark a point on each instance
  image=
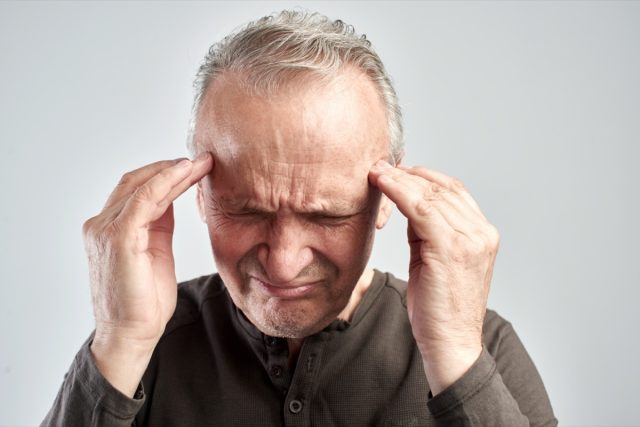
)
(288, 323)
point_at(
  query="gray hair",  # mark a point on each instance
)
(277, 48)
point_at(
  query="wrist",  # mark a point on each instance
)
(445, 364)
(122, 362)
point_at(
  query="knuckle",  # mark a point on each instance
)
(88, 227)
(146, 199)
(92, 230)
(114, 234)
(167, 174)
(494, 236)
(462, 249)
(143, 194)
(457, 184)
(432, 192)
(126, 179)
(423, 207)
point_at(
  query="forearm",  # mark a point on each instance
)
(479, 397)
(501, 388)
(87, 398)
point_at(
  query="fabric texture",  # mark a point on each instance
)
(212, 367)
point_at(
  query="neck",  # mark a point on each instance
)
(295, 344)
(356, 296)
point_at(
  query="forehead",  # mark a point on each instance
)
(311, 143)
(343, 115)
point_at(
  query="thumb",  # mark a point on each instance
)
(161, 233)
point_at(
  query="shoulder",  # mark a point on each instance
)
(192, 294)
(495, 328)
(395, 288)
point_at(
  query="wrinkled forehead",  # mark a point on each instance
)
(314, 180)
(340, 119)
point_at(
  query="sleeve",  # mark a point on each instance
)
(86, 398)
(502, 388)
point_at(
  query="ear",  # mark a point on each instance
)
(200, 202)
(384, 211)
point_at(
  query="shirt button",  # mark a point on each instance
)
(295, 406)
(276, 371)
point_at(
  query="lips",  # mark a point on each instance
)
(285, 291)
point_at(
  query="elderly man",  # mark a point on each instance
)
(296, 135)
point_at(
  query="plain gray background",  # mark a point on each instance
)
(535, 106)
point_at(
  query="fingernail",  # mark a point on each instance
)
(203, 156)
(383, 164)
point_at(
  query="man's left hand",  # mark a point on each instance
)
(453, 250)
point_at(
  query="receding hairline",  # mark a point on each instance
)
(303, 81)
(275, 48)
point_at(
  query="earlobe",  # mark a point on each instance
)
(200, 202)
(384, 212)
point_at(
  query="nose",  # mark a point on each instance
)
(286, 251)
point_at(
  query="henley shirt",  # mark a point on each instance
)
(212, 367)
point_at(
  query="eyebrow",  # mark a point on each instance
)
(333, 208)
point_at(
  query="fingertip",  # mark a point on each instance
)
(376, 179)
(203, 156)
(371, 178)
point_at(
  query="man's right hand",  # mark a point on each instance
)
(131, 266)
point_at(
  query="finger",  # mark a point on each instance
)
(439, 193)
(451, 183)
(161, 233)
(133, 180)
(202, 166)
(149, 202)
(130, 181)
(431, 220)
(452, 206)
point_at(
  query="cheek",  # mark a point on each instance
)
(348, 247)
(230, 241)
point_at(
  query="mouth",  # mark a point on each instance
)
(291, 291)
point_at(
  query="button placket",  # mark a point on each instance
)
(276, 362)
(297, 405)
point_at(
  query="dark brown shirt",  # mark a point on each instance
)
(214, 368)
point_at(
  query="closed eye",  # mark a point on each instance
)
(329, 220)
(247, 215)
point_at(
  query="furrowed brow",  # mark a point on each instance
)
(342, 208)
(329, 208)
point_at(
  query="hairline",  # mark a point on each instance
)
(303, 80)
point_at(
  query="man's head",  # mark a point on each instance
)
(295, 109)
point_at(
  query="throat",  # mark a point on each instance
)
(356, 296)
